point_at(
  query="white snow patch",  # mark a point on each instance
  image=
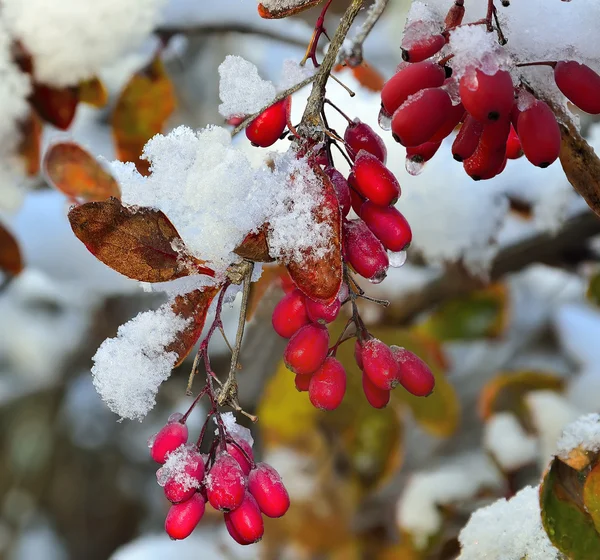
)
(507, 441)
(583, 433)
(235, 430)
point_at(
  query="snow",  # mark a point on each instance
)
(292, 73)
(129, 369)
(458, 479)
(175, 467)
(584, 433)
(507, 530)
(72, 40)
(236, 431)
(578, 328)
(507, 441)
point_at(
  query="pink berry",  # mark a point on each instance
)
(186, 478)
(328, 385)
(307, 349)
(236, 453)
(380, 364)
(290, 314)
(374, 180)
(360, 136)
(342, 190)
(225, 483)
(169, 438)
(246, 521)
(183, 518)
(321, 313)
(377, 398)
(388, 225)
(364, 251)
(265, 484)
(415, 375)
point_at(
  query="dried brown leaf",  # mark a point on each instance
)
(255, 247)
(56, 106)
(11, 261)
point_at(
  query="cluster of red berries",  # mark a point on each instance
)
(227, 477)
(498, 121)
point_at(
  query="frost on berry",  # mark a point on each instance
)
(320, 313)
(290, 314)
(236, 453)
(342, 190)
(245, 524)
(167, 440)
(265, 484)
(360, 136)
(380, 364)
(414, 374)
(364, 251)
(328, 385)
(307, 349)
(225, 483)
(181, 474)
(183, 518)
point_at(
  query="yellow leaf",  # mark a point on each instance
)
(93, 93)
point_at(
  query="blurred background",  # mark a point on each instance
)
(499, 295)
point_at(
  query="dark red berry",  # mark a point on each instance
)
(225, 483)
(246, 521)
(266, 129)
(360, 136)
(168, 439)
(342, 190)
(488, 159)
(307, 349)
(487, 97)
(184, 478)
(456, 114)
(236, 453)
(418, 44)
(415, 375)
(467, 139)
(364, 252)
(183, 518)
(423, 152)
(320, 313)
(302, 382)
(379, 364)
(410, 80)
(455, 14)
(420, 116)
(374, 180)
(580, 85)
(356, 199)
(290, 314)
(513, 144)
(539, 134)
(265, 484)
(388, 225)
(328, 385)
(377, 398)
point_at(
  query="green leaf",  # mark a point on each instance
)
(593, 291)
(591, 495)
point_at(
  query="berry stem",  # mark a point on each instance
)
(311, 50)
(328, 102)
(551, 63)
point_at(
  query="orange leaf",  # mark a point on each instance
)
(137, 243)
(193, 305)
(76, 173)
(366, 75)
(56, 106)
(255, 247)
(29, 147)
(93, 93)
(321, 278)
(141, 112)
(293, 7)
(11, 261)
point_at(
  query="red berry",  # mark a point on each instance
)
(302, 382)
(360, 136)
(513, 144)
(307, 349)
(420, 116)
(377, 398)
(539, 134)
(415, 375)
(265, 484)
(184, 477)
(580, 85)
(418, 45)
(487, 97)
(225, 483)
(246, 521)
(456, 114)
(183, 518)
(388, 225)
(236, 453)
(455, 14)
(328, 385)
(169, 438)
(467, 139)
(356, 199)
(410, 80)
(423, 152)
(488, 159)
(358, 354)
(320, 313)
(266, 129)
(379, 364)
(364, 252)
(342, 190)
(374, 180)
(290, 314)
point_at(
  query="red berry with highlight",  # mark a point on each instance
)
(328, 385)
(307, 349)
(539, 134)
(377, 398)
(266, 129)
(168, 439)
(513, 145)
(487, 97)
(374, 180)
(246, 521)
(290, 314)
(580, 85)
(388, 225)
(488, 159)
(379, 364)
(356, 199)
(320, 313)
(342, 190)
(237, 454)
(183, 518)
(265, 484)
(364, 252)
(467, 139)
(415, 375)
(418, 45)
(225, 483)
(360, 136)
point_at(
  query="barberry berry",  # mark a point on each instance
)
(364, 252)
(307, 349)
(266, 486)
(328, 385)
(183, 518)
(388, 225)
(246, 521)
(290, 314)
(374, 180)
(360, 136)
(168, 439)
(225, 483)
(380, 364)
(266, 129)
(415, 375)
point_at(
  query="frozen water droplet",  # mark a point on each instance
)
(175, 417)
(162, 476)
(397, 259)
(452, 90)
(344, 292)
(151, 441)
(378, 278)
(414, 167)
(384, 120)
